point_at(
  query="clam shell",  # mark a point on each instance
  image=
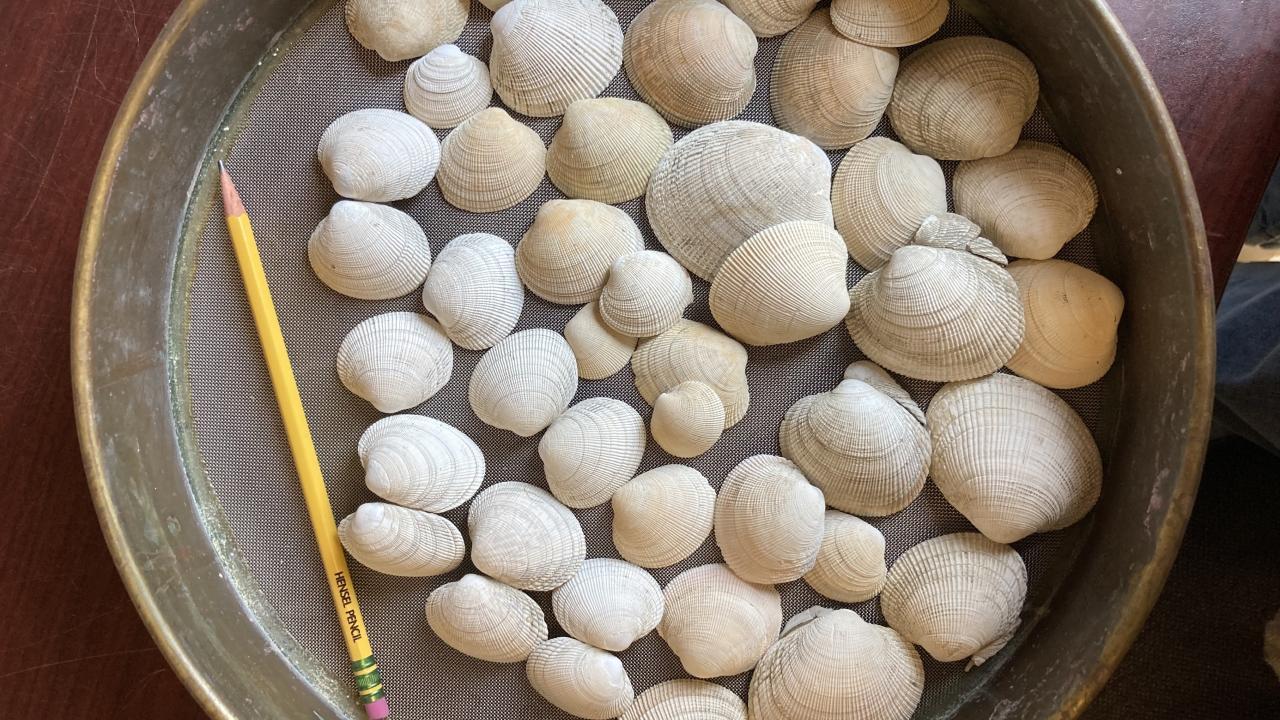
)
(768, 520)
(767, 18)
(662, 516)
(404, 29)
(693, 351)
(850, 566)
(1029, 201)
(837, 666)
(1072, 315)
(875, 376)
(888, 23)
(579, 679)
(446, 86)
(964, 98)
(401, 541)
(548, 53)
(881, 194)
(369, 251)
(723, 183)
(609, 604)
(485, 619)
(687, 700)
(395, 360)
(524, 382)
(785, 283)
(522, 536)
(592, 450)
(717, 623)
(1012, 457)
(474, 290)
(490, 162)
(829, 88)
(688, 419)
(494, 5)
(378, 155)
(565, 255)
(599, 350)
(950, 231)
(606, 149)
(957, 596)
(420, 462)
(692, 60)
(645, 294)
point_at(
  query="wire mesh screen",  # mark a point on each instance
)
(243, 450)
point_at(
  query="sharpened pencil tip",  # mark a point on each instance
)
(231, 203)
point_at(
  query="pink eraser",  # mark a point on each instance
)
(378, 709)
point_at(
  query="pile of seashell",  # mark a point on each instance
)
(753, 210)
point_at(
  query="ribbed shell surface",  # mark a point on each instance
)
(420, 462)
(579, 679)
(525, 382)
(662, 516)
(566, 254)
(401, 541)
(645, 294)
(395, 360)
(693, 351)
(404, 29)
(686, 699)
(767, 18)
(490, 162)
(850, 566)
(522, 536)
(599, 350)
(606, 149)
(369, 251)
(688, 419)
(717, 623)
(591, 450)
(378, 155)
(888, 23)
(446, 86)
(485, 619)
(768, 520)
(475, 291)
(609, 604)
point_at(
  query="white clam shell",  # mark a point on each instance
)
(395, 360)
(579, 679)
(600, 350)
(369, 251)
(645, 294)
(420, 462)
(875, 376)
(717, 623)
(693, 351)
(401, 541)
(850, 566)
(767, 18)
(474, 291)
(446, 86)
(686, 699)
(609, 604)
(524, 537)
(662, 516)
(485, 619)
(723, 183)
(490, 162)
(888, 23)
(768, 520)
(688, 419)
(404, 29)
(606, 149)
(591, 450)
(524, 382)
(565, 255)
(378, 155)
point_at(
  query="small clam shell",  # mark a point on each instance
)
(785, 283)
(524, 382)
(404, 29)
(548, 53)
(964, 98)
(850, 566)
(693, 351)
(692, 60)
(950, 231)
(888, 23)
(600, 350)
(592, 450)
(420, 462)
(687, 700)
(395, 360)
(485, 619)
(723, 183)
(522, 536)
(606, 149)
(645, 294)
(565, 255)
(1072, 315)
(474, 291)
(369, 251)
(768, 520)
(1029, 201)
(579, 679)
(717, 623)
(829, 88)
(875, 376)
(490, 162)
(609, 604)
(881, 194)
(401, 541)
(837, 666)
(662, 516)
(687, 419)
(379, 155)
(958, 596)
(767, 18)
(446, 86)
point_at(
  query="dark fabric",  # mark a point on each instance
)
(1248, 392)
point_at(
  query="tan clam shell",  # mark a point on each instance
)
(686, 699)
(485, 619)
(579, 679)
(606, 149)
(1029, 201)
(524, 382)
(609, 604)
(565, 255)
(767, 18)
(490, 162)
(401, 541)
(369, 251)
(446, 86)
(717, 623)
(1072, 315)
(378, 155)
(693, 351)
(692, 60)
(404, 29)
(723, 183)
(688, 419)
(474, 290)
(881, 194)
(829, 88)
(785, 283)
(662, 516)
(850, 566)
(1012, 457)
(592, 450)
(548, 53)
(420, 462)
(888, 23)
(600, 350)
(395, 360)
(964, 98)
(768, 520)
(524, 537)
(645, 294)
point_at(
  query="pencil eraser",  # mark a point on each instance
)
(378, 709)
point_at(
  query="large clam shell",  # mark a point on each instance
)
(579, 679)
(888, 23)
(378, 155)
(717, 623)
(599, 350)
(565, 255)
(405, 29)
(693, 351)
(606, 149)
(474, 291)
(645, 294)
(524, 382)
(490, 162)
(591, 450)
(767, 18)
(524, 537)
(850, 566)
(768, 520)
(875, 376)
(609, 604)
(369, 251)
(446, 86)
(687, 419)
(485, 619)
(420, 462)
(401, 541)
(662, 516)
(395, 360)
(686, 699)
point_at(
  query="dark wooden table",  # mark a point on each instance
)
(72, 645)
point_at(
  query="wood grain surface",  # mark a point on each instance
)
(73, 647)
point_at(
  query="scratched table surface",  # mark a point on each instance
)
(72, 645)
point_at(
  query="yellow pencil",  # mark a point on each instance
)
(368, 681)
